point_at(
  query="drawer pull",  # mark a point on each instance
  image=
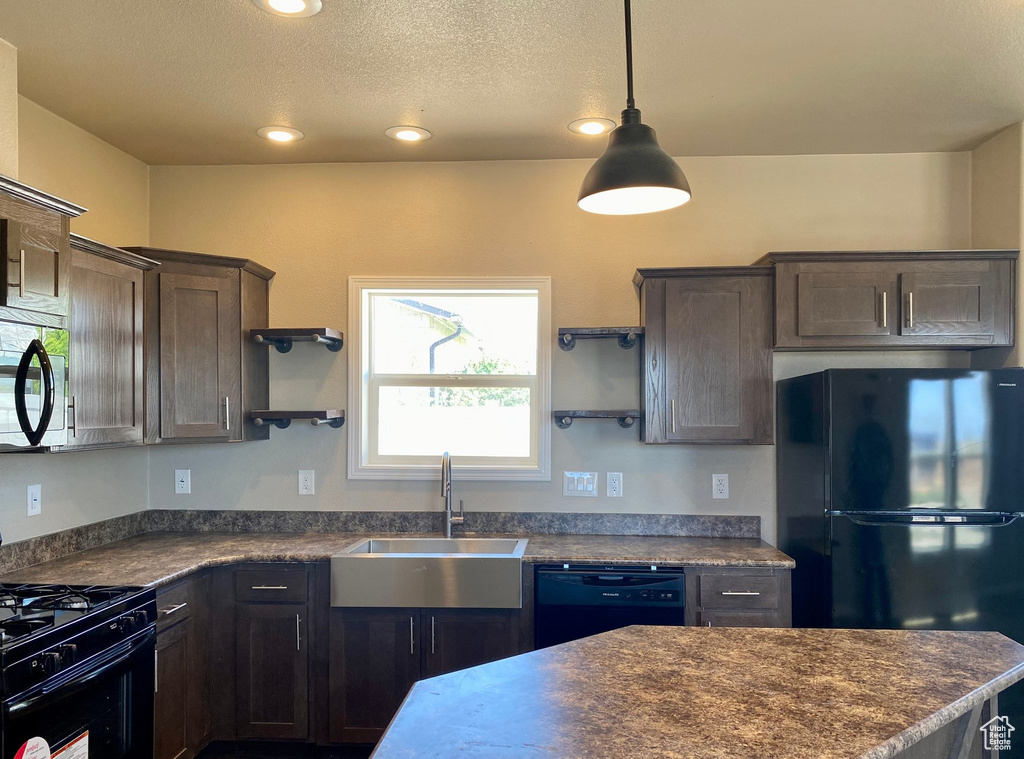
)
(741, 593)
(270, 587)
(21, 275)
(169, 611)
(298, 638)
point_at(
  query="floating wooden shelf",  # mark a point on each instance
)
(282, 339)
(283, 419)
(626, 417)
(627, 336)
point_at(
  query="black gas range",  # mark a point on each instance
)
(76, 670)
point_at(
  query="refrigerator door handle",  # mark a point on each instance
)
(951, 520)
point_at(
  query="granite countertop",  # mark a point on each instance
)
(708, 693)
(158, 558)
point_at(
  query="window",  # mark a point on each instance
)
(450, 364)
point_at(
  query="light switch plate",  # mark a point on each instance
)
(579, 484)
(34, 497)
(182, 481)
(307, 482)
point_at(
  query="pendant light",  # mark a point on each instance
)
(634, 175)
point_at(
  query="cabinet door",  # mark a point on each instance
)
(374, 661)
(105, 367)
(272, 670)
(200, 370)
(174, 673)
(846, 304)
(949, 299)
(36, 267)
(707, 364)
(455, 639)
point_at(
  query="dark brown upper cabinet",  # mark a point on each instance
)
(35, 255)
(203, 373)
(925, 299)
(706, 373)
(107, 388)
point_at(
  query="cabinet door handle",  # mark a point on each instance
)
(227, 413)
(910, 309)
(672, 410)
(431, 634)
(73, 413)
(709, 623)
(741, 593)
(412, 649)
(168, 612)
(270, 587)
(298, 640)
(21, 274)
(156, 671)
(885, 310)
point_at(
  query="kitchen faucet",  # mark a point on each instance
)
(446, 493)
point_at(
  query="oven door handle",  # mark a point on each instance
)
(35, 349)
(121, 654)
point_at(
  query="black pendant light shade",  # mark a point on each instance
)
(634, 175)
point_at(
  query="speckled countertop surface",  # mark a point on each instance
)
(700, 693)
(158, 558)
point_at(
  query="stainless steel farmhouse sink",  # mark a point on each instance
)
(471, 573)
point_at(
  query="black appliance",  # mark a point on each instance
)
(900, 493)
(33, 386)
(574, 601)
(77, 669)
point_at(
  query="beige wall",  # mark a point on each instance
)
(997, 216)
(8, 110)
(318, 224)
(78, 488)
(66, 161)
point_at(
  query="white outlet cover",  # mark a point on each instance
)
(720, 486)
(614, 485)
(34, 499)
(182, 481)
(307, 482)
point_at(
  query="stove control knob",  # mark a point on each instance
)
(128, 625)
(50, 663)
(68, 654)
(142, 618)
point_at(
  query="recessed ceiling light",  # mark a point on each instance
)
(407, 133)
(591, 127)
(280, 134)
(289, 8)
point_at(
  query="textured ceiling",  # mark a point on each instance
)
(189, 81)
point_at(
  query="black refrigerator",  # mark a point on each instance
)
(900, 494)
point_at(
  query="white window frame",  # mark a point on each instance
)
(360, 423)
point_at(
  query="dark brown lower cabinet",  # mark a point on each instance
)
(376, 655)
(182, 703)
(455, 639)
(272, 670)
(738, 597)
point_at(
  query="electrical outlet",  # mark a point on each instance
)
(307, 481)
(720, 486)
(580, 484)
(34, 496)
(182, 481)
(615, 484)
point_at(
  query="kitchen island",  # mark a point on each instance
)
(699, 693)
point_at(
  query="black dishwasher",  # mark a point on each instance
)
(574, 601)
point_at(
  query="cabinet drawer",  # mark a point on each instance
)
(738, 591)
(271, 585)
(738, 619)
(175, 604)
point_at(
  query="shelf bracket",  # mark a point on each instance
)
(283, 344)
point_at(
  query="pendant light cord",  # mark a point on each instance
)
(629, 59)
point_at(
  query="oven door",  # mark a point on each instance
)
(100, 709)
(33, 386)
